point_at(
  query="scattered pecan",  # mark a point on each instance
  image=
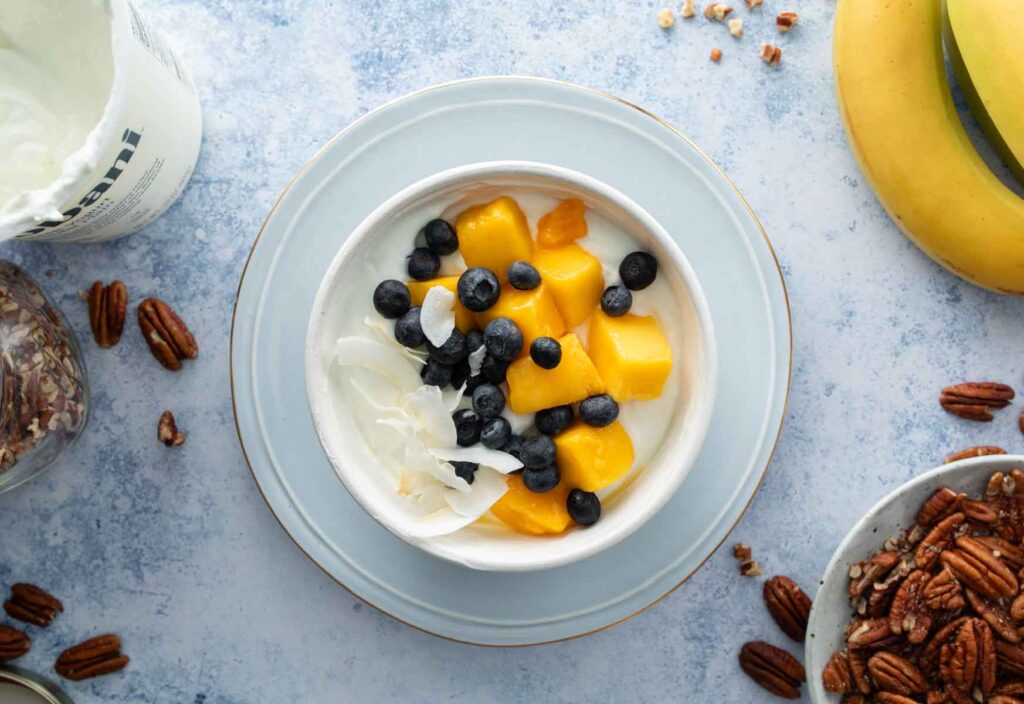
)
(864, 574)
(742, 552)
(973, 400)
(943, 592)
(909, 613)
(770, 54)
(168, 337)
(13, 643)
(977, 451)
(938, 539)
(974, 565)
(784, 21)
(167, 431)
(773, 668)
(995, 616)
(107, 308)
(97, 656)
(31, 604)
(938, 506)
(891, 673)
(788, 605)
(836, 677)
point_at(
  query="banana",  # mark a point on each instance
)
(905, 133)
(985, 43)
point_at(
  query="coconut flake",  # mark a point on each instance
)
(427, 409)
(360, 352)
(488, 486)
(496, 459)
(437, 318)
(423, 461)
(386, 334)
(476, 360)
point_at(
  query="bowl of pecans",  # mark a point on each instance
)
(922, 601)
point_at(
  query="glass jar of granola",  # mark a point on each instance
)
(44, 394)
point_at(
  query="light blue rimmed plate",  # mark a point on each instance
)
(483, 120)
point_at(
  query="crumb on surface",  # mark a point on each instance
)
(665, 18)
(716, 54)
(736, 27)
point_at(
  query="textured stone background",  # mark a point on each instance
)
(177, 551)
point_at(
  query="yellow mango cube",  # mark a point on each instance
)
(533, 311)
(464, 318)
(632, 355)
(532, 388)
(494, 235)
(527, 512)
(562, 225)
(575, 278)
(593, 458)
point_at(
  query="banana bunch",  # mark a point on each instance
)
(905, 132)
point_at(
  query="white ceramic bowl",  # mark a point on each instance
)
(490, 547)
(831, 611)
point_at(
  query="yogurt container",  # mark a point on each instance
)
(100, 126)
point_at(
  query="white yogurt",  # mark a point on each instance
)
(647, 422)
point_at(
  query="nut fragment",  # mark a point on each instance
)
(13, 643)
(751, 4)
(864, 574)
(688, 10)
(107, 308)
(167, 431)
(735, 27)
(788, 605)
(97, 656)
(784, 21)
(750, 568)
(716, 54)
(773, 668)
(978, 451)
(717, 11)
(168, 337)
(770, 54)
(31, 604)
(973, 400)
(665, 18)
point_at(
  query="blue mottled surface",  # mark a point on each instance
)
(176, 551)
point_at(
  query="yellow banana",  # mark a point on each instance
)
(904, 130)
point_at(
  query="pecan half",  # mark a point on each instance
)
(1011, 688)
(938, 539)
(974, 565)
(1010, 658)
(978, 512)
(938, 506)
(893, 698)
(97, 656)
(973, 400)
(836, 677)
(1017, 608)
(891, 673)
(995, 616)
(107, 308)
(859, 670)
(168, 337)
(773, 668)
(870, 633)
(13, 643)
(864, 574)
(977, 451)
(882, 593)
(909, 614)
(943, 592)
(788, 605)
(928, 659)
(1003, 699)
(31, 604)
(167, 431)
(1005, 494)
(1006, 551)
(969, 659)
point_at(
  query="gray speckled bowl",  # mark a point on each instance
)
(831, 610)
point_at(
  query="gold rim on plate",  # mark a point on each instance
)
(319, 153)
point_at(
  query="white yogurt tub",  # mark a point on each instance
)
(666, 432)
(100, 126)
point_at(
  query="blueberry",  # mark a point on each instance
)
(546, 352)
(391, 298)
(638, 270)
(436, 373)
(460, 374)
(538, 451)
(408, 331)
(488, 401)
(441, 237)
(599, 411)
(478, 289)
(474, 341)
(467, 427)
(503, 339)
(473, 382)
(616, 301)
(523, 276)
(495, 433)
(543, 479)
(493, 370)
(514, 446)
(423, 264)
(552, 421)
(584, 507)
(453, 350)
(466, 470)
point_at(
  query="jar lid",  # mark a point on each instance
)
(29, 688)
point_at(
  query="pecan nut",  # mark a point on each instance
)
(108, 306)
(97, 656)
(167, 430)
(891, 673)
(788, 605)
(974, 400)
(1005, 494)
(870, 633)
(1010, 658)
(893, 698)
(1003, 699)
(928, 659)
(859, 670)
(1017, 608)
(969, 659)
(168, 337)
(974, 565)
(31, 604)
(864, 574)
(938, 539)
(938, 506)
(995, 616)
(1006, 551)
(977, 451)
(13, 643)
(836, 677)
(909, 613)
(943, 592)
(1011, 688)
(773, 668)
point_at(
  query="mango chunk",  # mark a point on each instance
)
(575, 278)
(465, 320)
(537, 514)
(535, 312)
(593, 458)
(494, 235)
(532, 389)
(562, 225)
(632, 355)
